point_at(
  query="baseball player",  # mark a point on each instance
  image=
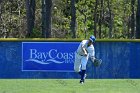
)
(84, 51)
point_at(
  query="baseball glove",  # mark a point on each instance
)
(97, 62)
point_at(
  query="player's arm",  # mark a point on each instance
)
(92, 54)
(96, 62)
(84, 50)
(92, 58)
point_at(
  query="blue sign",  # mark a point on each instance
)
(48, 56)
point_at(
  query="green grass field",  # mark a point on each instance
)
(69, 86)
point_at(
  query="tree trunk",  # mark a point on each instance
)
(46, 18)
(138, 21)
(1, 19)
(132, 18)
(110, 21)
(0, 11)
(73, 19)
(33, 5)
(28, 18)
(43, 18)
(95, 18)
(124, 19)
(30, 13)
(101, 18)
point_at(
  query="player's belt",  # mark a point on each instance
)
(79, 54)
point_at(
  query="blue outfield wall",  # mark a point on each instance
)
(55, 59)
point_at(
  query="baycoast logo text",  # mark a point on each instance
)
(51, 56)
(48, 56)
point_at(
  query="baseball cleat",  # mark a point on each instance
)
(81, 82)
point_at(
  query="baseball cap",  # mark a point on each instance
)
(92, 38)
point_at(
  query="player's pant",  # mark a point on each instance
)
(80, 62)
(80, 65)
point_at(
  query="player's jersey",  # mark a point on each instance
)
(90, 49)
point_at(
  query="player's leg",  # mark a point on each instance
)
(77, 64)
(84, 64)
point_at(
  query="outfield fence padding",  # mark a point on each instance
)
(54, 59)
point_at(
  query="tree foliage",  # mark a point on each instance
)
(69, 18)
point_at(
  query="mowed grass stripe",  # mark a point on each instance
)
(69, 86)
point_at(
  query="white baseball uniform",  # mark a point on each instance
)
(80, 59)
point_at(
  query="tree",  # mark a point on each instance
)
(0, 10)
(138, 21)
(132, 18)
(101, 17)
(73, 19)
(95, 17)
(30, 13)
(46, 18)
(110, 19)
(59, 18)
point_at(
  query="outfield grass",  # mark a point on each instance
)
(69, 86)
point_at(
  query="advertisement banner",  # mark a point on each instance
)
(48, 56)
